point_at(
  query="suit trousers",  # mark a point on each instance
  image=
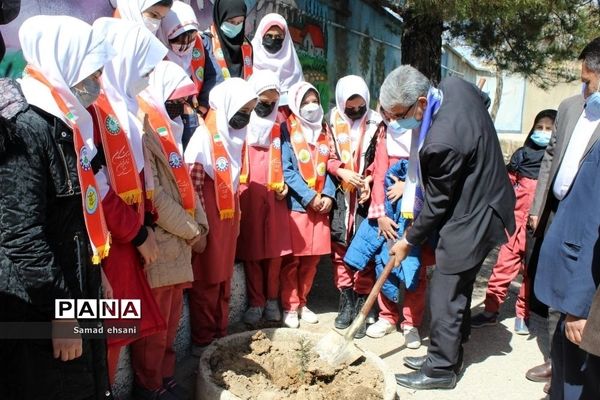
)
(450, 303)
(574, 372)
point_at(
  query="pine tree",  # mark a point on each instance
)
(530, 37)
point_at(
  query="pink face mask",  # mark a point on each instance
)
(182, 49)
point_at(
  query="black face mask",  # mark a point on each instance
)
(354, 113)
(174, 109)
(272, 45)
(239, 120)
(264, 109)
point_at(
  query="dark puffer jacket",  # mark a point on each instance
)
(44, 252)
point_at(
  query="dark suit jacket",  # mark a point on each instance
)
(469, 200)
(569, 266)
(591, 333)
(544, 201)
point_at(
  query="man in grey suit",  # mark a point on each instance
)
(468, 204)
(576, 131)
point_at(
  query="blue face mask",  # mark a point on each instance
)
(230, 30)
(407, 123)
(541, 138)
(592, 105)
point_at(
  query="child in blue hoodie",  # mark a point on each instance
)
(369, 245)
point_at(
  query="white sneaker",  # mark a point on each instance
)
(380, 328)
(272, 311)
(253, 315)
(308, 316)
(412, 340)
(290, 319)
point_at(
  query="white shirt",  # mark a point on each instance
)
(570, 164)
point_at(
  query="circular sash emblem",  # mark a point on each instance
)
(221, 164)
(91, 200)
(343, 138)
(345, 156)
(225, 72)
(276, 143)
(304, 156)
(112, 125)
(84, 160)
(247, 61)
(321, 169)
(196, 54)
(323, 149)
(298, 137)
(175, 160)
(200, 73)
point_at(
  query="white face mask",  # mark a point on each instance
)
(311, 112)
(152, 24)
(139, 86)
(182, 49)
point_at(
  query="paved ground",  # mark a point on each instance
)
(495, 358)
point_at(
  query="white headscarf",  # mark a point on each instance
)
(180, 19)
(139, 53)
(65, 50)
(169, 81)
(132, 10)
(259, 130)
(225, 99)
(285, 62)
(311, 130)
(347, 87)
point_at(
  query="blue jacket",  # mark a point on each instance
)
(299, 194)
(368, 245)
(212, 71)
(569, 264)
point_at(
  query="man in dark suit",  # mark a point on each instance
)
(468, 202)
(576, 132)
(569, 274)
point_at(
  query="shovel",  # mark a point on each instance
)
(336, 348)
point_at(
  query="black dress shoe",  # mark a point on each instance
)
(414, 362)
(417, 362)
(419, 381)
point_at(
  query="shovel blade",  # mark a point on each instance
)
(334, 349)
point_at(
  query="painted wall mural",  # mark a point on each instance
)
(306, 22)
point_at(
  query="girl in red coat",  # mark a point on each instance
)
(126, 206)
(215, 156)
(392, 146)
(264, 231)
(305, 153)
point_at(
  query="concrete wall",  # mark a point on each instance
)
(453, 64)
(237, 306)
(536, 100)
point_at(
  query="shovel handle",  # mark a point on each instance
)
(364, 311)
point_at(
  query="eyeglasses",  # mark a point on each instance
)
(396, 117)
